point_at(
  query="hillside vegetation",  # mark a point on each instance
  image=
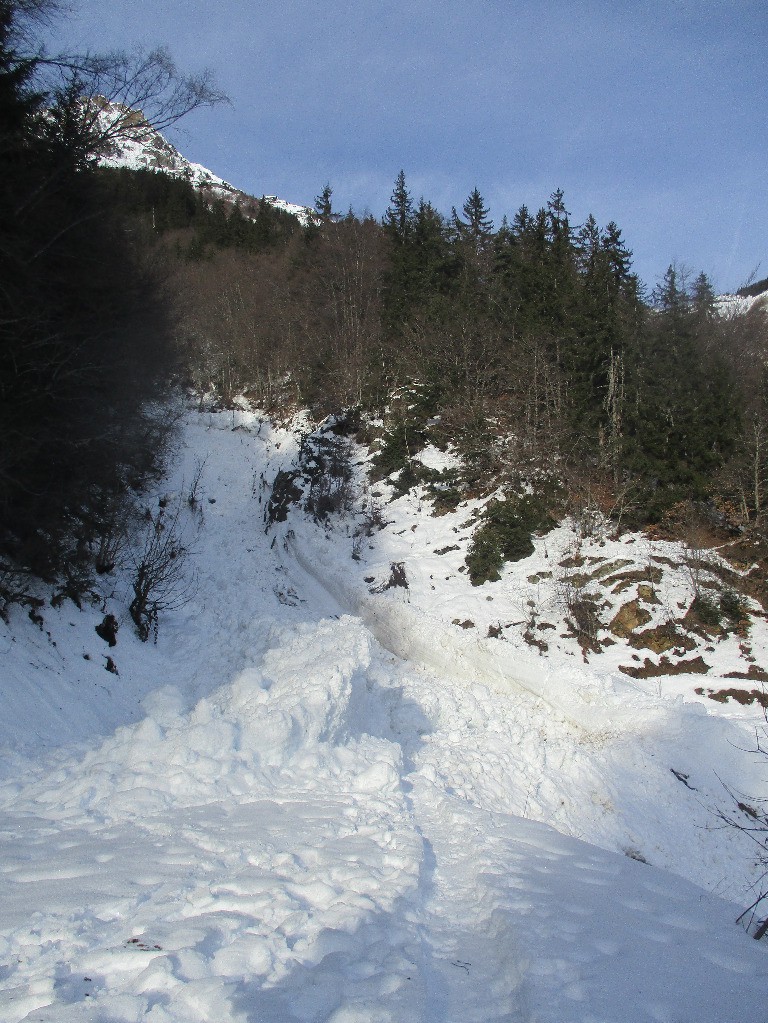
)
(529, 348)
(85, 328)
(383, 603)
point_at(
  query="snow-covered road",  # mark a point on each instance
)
(273, 817)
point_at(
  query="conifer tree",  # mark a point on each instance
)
(682, 417)
(619, 258)
(670, 295)
(401, 277)
(435, 265)
(398, 217)
(474, 253)
(521, 272)
(561, 266)
(703, 297)
(81, 330)
(324, 206)
(604, 321)
(477, 229)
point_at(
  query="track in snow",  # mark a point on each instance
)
(305, 827)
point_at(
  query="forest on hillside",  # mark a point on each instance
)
(529, 347)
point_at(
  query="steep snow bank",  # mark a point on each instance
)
(411, 633)
(272, 816)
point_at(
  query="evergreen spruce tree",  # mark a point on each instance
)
(324, 206)
(619, 259)
(264, 228)
(670, 295)
(682, 417)
(398, 217)
(237, 230)
(605, 318)
(474, 250)
(561, 269)
(533, 273)
(400, 282)
(82, 336)
(434, 261)
(477, 229)
(703, 297)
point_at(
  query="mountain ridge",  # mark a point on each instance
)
(139, 146)
(142, 147)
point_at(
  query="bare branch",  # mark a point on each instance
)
(751, 819)
(99, 100)
(160, 582)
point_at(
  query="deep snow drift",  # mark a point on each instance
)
(317, 799)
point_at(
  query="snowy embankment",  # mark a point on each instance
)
(313, 802)
(411, 633)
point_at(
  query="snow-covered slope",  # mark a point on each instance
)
(739, 305)
(142, 148)
(316, 798)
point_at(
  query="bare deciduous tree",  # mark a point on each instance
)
(160, 582)
(749, 816)
(100, 100)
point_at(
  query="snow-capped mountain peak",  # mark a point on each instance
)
(139, 146)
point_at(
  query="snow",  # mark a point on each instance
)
(434, 458)
(315, 799)
(739, 305)
(147, 149)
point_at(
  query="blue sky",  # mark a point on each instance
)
(647, 113)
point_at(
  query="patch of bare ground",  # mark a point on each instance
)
(611, 568)
(581, 579)
(583, 620)
(539, 577)
(629, 617)
(572, 561)
(694, 666)
(747, 553)
(646, 592)
(661, 560)
(645, 577)
(745, 697)
(532, 639)
(664, 637)
(749, 557)
(755, 673)
(698, 620)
